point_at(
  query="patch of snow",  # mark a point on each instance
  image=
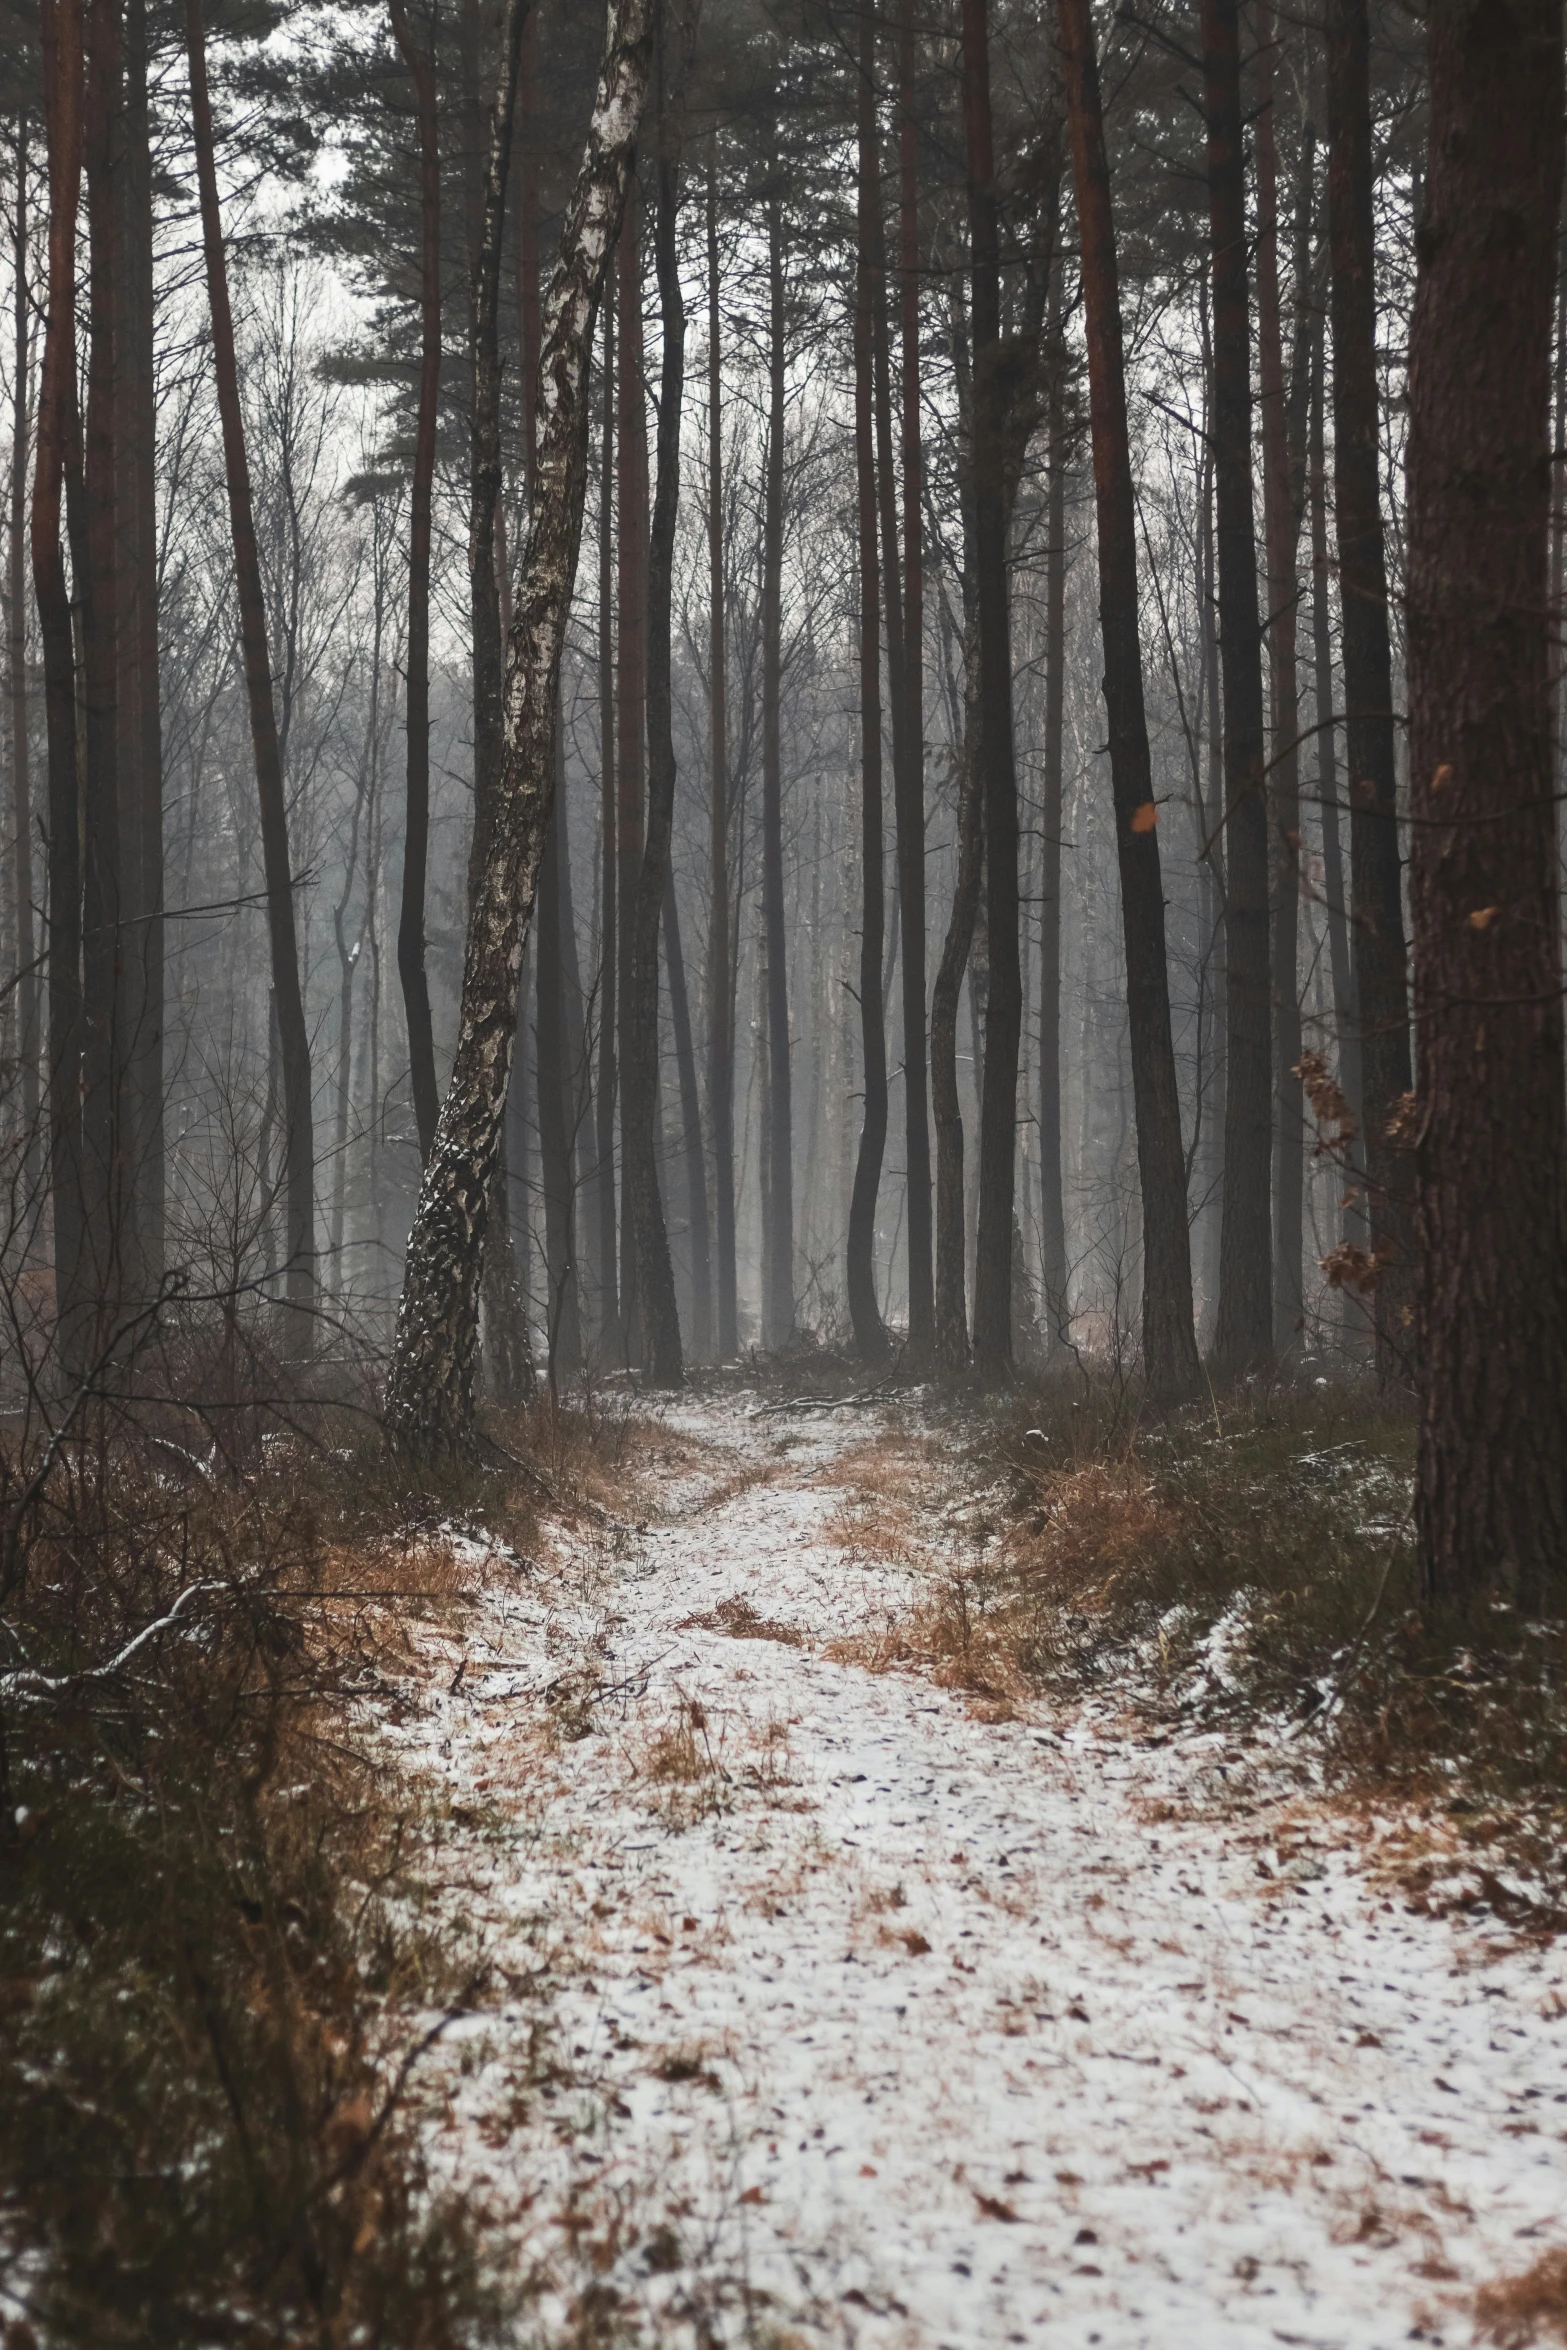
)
(833, 2008)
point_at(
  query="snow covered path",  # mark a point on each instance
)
(836, 2014)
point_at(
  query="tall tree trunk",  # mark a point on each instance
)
(1004, 1007)
(299, 1140)
(429, 1400)
(1243, 1339)
(416, 832)
(1169, 1342)
(952, 1347)
(1491, 1481)
(59, 452)
(95, 564)
(1345, 1020)
(1052, 1223)
(505, 1318)
(657, 1310)
(1282, 405)
(870, 1336)
(909, 773)
(691, 1121)
(631, 759)
(28, 1038)
(139, 747)
(1377, 932)
(612, 1345)
(562, 1311)
(720, 1021)
(778, 1233)
(348, 956)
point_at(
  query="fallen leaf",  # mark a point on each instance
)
(752, 2195)
(867, 2170)
(993, 2207)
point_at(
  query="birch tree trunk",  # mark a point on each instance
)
(429, 1397)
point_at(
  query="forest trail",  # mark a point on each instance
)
(829, 2011)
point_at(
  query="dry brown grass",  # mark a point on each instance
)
(738, 1620)
(892, 1487)
(1532, 2307)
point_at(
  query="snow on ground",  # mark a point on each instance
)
(835, 2014)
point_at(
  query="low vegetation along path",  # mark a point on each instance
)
(832, 2005)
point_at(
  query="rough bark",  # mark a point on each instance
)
(870, 1336)
(698, 1222)
(294, 1040)
(631, 754)
(1170, 1362)
(909, 768)
(951, 1308)
(1377, 933)
(1052, 1205)
(59, 451)
(1004, 1006)
(1491, 1481)
(1335, 896)
(563, 1321)
(416, 826)
(429, 1401)
(778, 1234)
(28, 1036)
(720, 994)
(611, 1338)
(1281, 402)
(657, 1310)
(139, 744)
(96, 578)
(1243, 1337)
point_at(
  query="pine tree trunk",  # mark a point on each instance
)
(656, 1309)
(139, 747)
(1491, 1482)
(1170, 1361)
(631, 758)
(429, 1401)
(952, 1345)
(1055, 1303)
(563, 1322)
(1377, 929)
(59, 453)
(612, 1345)
(720, 1021)
(698, 1222)
(909, 770)
(1004, 1006)
(416, 831)
(95, 566)
(28, 1038)
(1243, 1339)
(870, 1336)
(1283, 475)
(778, 1237)
(294, 1039)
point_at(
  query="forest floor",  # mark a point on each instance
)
(835, 2005)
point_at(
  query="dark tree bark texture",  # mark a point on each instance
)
(416, 831)
(1377, 908)
(1004, 1006)
(778, 1235)
(1491, 1484)
(1243, 1338)
(1169, 1343)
